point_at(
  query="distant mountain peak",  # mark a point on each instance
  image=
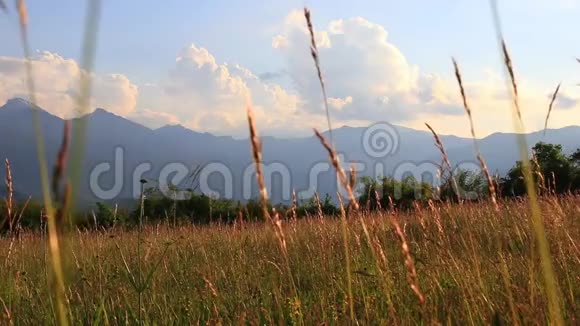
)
(19, 103)
(19, 100)
(20, 108)
(100, 112)
(179, 129)
(175, 126)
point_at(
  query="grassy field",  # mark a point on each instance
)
(473, 265)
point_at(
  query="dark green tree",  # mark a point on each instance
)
(552, 171)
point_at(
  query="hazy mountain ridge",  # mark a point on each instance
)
(174, 143)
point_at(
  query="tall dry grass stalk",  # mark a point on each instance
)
(344, 229)
(344, 180)
(335, 162)
(276, 221)
(439, 145)
(280, 232)
(54, 243)
(537, 170)
(552, 100)
(62, 197)
(31, 87)
(537, 221)
(341, 175)
(294, 206)
(319, 206)
(352, 177)
(257, 155)
(61, 161)
(316, 58)
(9, 198)
(490, 183)
(409, 263)
(12, 218)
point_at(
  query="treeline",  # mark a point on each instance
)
(553, 173)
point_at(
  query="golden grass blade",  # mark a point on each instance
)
(554, 95)
(54, 246)
(490, 184)
(83, 100)
(537, 221)
(316, 58)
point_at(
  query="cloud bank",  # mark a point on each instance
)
(368, 79)
(57, 85)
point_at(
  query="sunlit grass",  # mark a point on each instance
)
(537, 222)
(57, 217)
(221, 273)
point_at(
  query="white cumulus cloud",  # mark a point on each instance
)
(211, 96)
(57, 84)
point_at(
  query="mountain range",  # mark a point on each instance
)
(407, 151)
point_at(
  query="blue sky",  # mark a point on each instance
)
(141, 39)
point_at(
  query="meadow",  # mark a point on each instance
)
(474, 265)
